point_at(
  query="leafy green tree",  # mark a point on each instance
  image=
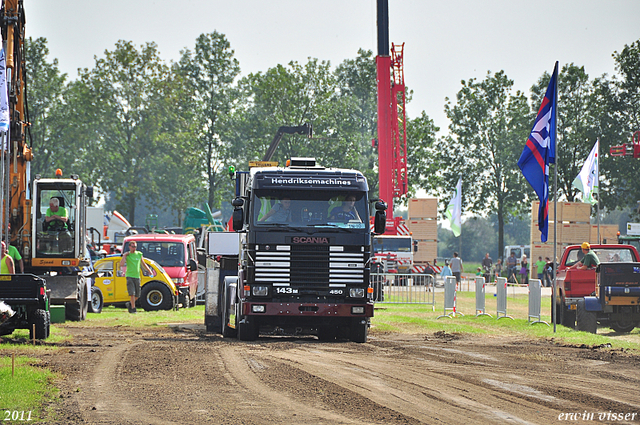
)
(489, 126)
(208, 75)
(45, 87)
(421, 138)
(123, 108)
(293, 95)
(618, 117)
(576, 129)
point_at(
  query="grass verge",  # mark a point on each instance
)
(23, 395)
(414, 318)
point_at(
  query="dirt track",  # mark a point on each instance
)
(183, 375)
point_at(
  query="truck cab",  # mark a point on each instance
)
(573, 285)
(305, 250)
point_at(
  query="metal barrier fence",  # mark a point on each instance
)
(450, 287)
(480, 297)
(501, 294)
(396, 288)
(535, 301)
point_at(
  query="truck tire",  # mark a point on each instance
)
(586, 321)
(247, 331)
(569, 318)
(97, 301)
(77, 310)
(359, 330)
(226, 330)
(42, 320)
(155, 296)
(622, 327)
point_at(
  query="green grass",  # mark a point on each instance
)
(115, 317)
(414, 318)
(27, 391)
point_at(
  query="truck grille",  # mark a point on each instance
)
(310, 266)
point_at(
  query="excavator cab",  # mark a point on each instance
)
(60, 222)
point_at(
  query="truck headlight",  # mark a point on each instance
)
(357, 310)
(260, 291)
(258, 308)
(356, 292)
(178, 280)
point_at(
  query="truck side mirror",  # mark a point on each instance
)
(89, 192)
(193, 266)
(238, 219)
(380, 222)
(415, 246)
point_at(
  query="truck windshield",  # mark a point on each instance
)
(312, 208)
(382, 244)
(56, 217)
(605, 255)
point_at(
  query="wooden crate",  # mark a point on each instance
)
(423, 229)
(575, 233)
(607, 231)
(427, 251)
(421, 208)
(535, 233)
(534, 210)
(576, 212)
(544, 250)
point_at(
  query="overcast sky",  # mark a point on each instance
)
(445, 41)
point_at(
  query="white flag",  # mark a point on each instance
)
(4, 105)
(454, 210)
(587, 180)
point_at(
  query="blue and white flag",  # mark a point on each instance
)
(587, 180)
(540, 151)
(454, 210)
(4, 104)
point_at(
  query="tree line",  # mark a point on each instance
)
(142, 129)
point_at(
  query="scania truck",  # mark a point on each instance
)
(304, 255)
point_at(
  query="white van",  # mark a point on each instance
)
(519, 250)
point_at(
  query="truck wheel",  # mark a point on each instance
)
(586, 321)
(569, 318)
(155, 296)
(226, 331)
(97, 302)
(359, 330)
(622, 326)
(77, 310)
(40, 318)
(247, 331)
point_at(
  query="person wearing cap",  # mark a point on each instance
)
(589, 260)
(6, 262)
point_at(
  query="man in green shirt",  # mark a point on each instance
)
(589, 260)
(56, 217)
(133, 260)
(540, 265)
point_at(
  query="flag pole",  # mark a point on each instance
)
(598, 185)
(555, 206)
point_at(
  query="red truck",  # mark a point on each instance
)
(573, 284)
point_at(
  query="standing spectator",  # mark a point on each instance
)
(456, 267)
(512, 264)
(6, 262)
(446, 270)
(487, 262)
(497, 269)
(540, 265)
(524, 270)
(134, 261)
(548, 271)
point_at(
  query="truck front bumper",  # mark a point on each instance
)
(256, 308)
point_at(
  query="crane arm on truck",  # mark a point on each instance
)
(305, 130)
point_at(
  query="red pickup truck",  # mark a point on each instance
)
(574, 284)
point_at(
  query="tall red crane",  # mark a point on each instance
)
(392, 139)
